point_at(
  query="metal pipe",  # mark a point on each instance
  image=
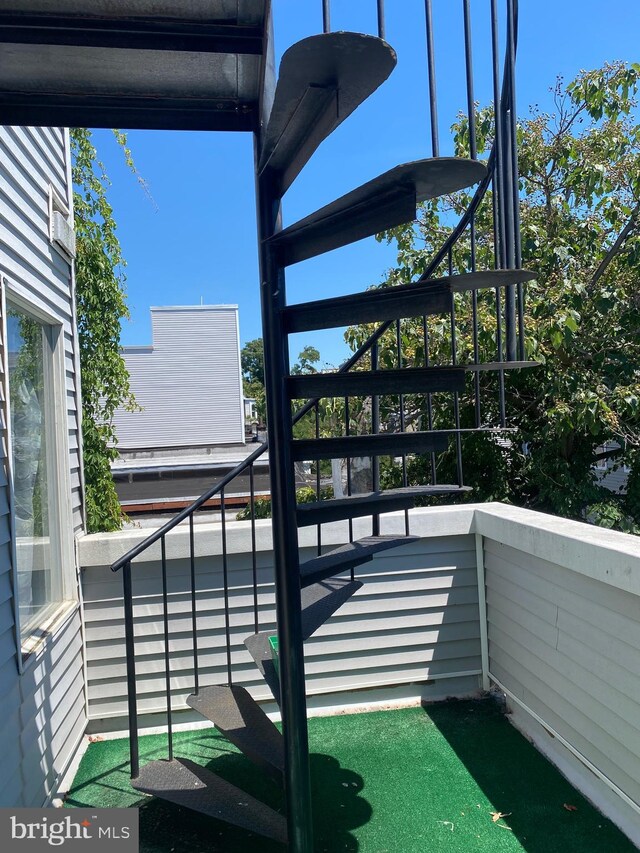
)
(425, 333)
(456, 397)
(473, 154)
(375, 429)
(318, 482)
(326, 16)
(167, 666)
(129, 643)
(225, 579)
(284, 522)
(381, 21)
(347, 431)
(194, 621)
(254, 553)
(431, 65)
(402, 418)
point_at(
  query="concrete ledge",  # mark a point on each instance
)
(604, 555)
(102, 549)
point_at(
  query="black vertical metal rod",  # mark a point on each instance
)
(431, 65)
(402, 418)
(381, 21)
(285, 543)
(473, 154)
(326, 16)
(456, 397)
(347, 431)
(375, 429)
(319, 528)
(167, 670)
(129, 643)
(194, 619)
(512, 41)
(498, 218)
(425, 334)
(254, 552)
(225, 579)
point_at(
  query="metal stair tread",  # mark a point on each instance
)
(346, 556)
(384, 202)
(319, 602)
(236, 714)
(187, 784)
(370, 503)
(407, 380)
(365, 383)
(433, 296)
(380, 444)
(322, 80)
(260, 650)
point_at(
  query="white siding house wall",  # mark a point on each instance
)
(188, 382)
(415, 622)
(563, 620)
(42, 703)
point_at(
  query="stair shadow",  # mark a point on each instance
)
(518, 780)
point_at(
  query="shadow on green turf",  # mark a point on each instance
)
(519, 781)
(167, 828)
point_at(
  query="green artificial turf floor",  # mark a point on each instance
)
(409, 781)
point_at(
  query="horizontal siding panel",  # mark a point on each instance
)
(568, 647)
(568, 720)
(556, 669)
(24, 147)
(416, 617)
(596, 603)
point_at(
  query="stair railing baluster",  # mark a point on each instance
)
(381, 20)
(318, 479)
(456, 396)
(375, 429)
(167, 664)
(254, 551)
(431, 65)
(194, 621)
(326, 16)
(512, 41)
(425, 338)
(498, 218)
(132, 699)
(405, 480)
(225, 578)
(347, 431)
(473, 154)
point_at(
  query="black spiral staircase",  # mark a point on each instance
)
(228, 84)
(322, 80)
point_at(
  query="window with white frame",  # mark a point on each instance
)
(39, 509)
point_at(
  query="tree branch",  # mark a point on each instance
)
(616, 248)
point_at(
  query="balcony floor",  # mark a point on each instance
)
(404, 781)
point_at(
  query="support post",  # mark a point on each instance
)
(285, 541)
(482, 610)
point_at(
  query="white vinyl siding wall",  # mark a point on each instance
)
(188, 383)
(43, 708)
(415, 619)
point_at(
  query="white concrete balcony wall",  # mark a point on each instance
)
(559, 634)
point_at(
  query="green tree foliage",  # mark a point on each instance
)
(580, 208)
(100, 303)
(252, 361)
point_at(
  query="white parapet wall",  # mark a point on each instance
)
(411, 632)
(559, 633)
(563, 624)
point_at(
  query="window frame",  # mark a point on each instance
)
(58, 475)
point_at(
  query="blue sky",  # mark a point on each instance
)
(196, 240)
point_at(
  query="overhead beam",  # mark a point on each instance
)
(130, 33)
(139, 112)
